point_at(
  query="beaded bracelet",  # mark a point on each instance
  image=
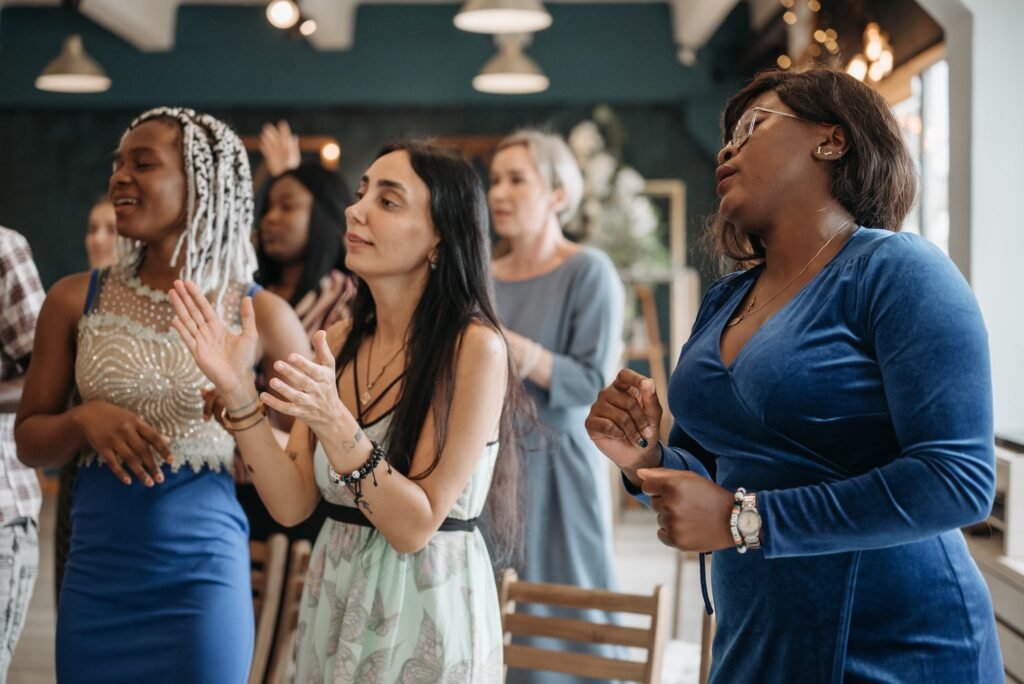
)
(354, 480)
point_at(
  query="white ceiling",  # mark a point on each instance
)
(149, 25)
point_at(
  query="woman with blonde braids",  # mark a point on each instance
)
(157, 582)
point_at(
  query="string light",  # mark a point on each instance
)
(784, 61)
(789, 17)
(876, 61)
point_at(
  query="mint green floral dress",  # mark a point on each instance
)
(375, 616)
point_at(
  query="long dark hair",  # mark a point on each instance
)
(458, 293)
(325, 249)
(875, 180)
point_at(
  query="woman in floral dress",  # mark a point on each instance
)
(402, 425)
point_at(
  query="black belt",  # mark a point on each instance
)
(354, 516)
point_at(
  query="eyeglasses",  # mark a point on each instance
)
(745, 126)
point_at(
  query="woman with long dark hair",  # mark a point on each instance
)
(833, 408)
(402, 424)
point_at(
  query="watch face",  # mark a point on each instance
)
(748, 523)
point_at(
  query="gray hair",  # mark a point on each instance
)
(555, 162)
(219, 216)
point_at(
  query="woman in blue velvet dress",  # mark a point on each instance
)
(157, 584)
(833, 409)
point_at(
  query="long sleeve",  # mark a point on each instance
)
(581, 370)
(681, 453)
(921, 320)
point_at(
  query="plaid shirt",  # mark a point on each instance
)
(21, 296)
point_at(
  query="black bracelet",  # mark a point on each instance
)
(354, 480)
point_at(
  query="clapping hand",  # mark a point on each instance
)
(310, 391)
(225, 358)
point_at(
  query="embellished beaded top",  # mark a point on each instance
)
(129, 355)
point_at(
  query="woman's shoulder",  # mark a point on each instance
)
(589, 259)
(482, 346)
(899, 256)
(69, 294)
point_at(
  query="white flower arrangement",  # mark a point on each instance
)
(615, 215)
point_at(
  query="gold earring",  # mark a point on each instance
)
(826, 153)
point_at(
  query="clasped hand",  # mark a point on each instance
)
(693, 512)
(308, 387)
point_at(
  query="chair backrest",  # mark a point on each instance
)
(268, 560)
(652, 638)
(282, 664)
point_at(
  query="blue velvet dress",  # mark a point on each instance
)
(861, 414)
(157, 585)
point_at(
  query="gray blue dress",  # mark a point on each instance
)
(574, 312)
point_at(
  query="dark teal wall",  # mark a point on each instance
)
(56, 162)
(407, 54)
(408, 74)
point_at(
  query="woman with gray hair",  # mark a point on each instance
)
(157, 584)
(561, 304)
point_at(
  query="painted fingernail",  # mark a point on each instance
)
(127, 480)
(159, 478)
(643, 442)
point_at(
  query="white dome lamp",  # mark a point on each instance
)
(73, 71)
(511, 72)
(503, 16)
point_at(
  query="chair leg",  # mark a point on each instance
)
(707, 636)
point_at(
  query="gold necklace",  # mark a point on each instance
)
(749, 310)
(366, 396)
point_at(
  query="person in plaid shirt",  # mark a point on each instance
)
(21, 297)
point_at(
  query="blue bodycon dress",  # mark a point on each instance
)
(157, 584)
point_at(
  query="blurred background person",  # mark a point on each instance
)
(101, 235)
(21, 297)
(561, 305)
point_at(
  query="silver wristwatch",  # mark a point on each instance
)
(745, 521)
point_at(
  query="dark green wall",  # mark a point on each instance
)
(56, 162)
(409, 73)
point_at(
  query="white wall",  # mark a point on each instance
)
(985, 50)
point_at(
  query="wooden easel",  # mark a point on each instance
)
(653, 353)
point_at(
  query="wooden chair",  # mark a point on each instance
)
(268, 559)
(282, 664)
(652, 638)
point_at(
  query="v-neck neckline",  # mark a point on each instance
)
(730, 310)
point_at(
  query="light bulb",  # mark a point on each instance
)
(858, 67)
(283, 14)
(330, 152)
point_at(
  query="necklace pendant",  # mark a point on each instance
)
(365, 397)
(734, 321)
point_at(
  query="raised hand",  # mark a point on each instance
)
(693, 512)
(225, 358)
(310, 391)
(279, 147)
(124, 441)
(623, 422)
